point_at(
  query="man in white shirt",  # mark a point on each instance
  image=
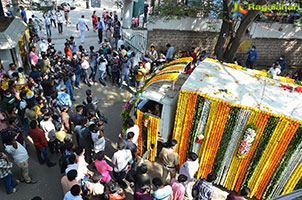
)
(189, 168)
(97, 138)
(122, 160)
(74, 193)
(83, 25)
(71, 159)
(20, 157)
(102, 62)
(274, 70)
(47, 24)
(60, 20)
(43, 45)
(50, 132)
(132, 127)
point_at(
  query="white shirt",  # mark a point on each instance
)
(82, 167)
(43, 46)
(98, 143)
(102, 65)
(60, 17)
(71, 167)
(119, 44)
(69, 196)
(120, 159)
(274, 72)
(82, 24)
(135, 130)
(85, 64)
(20, 154)
(49, 130)
(189, 168)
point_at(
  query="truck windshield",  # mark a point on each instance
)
(152, 107)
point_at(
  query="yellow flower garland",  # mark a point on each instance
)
(171, 69)
(167, 76)
(234, 170)
(294, 179)
(268, 153)
(207, 134)
(180, 60)
(181, 107)
(154, 136)
(140, 137)
(185, 134)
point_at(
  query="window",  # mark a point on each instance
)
(152, 107)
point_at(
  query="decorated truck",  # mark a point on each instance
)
(244, 124)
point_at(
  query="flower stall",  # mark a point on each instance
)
(245, 127)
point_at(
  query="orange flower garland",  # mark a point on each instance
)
(154, 137)
(261, 123)
(264, 161)
(213, 144)
(180, 60)
(183, 142)
(275, 159)
(171, 69)
(167, 76)
(207, 135)
(140, 137)
(235, 164)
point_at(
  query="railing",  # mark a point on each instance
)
(137, 40)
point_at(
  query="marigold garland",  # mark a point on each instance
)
(209, 125)
(180, 61)
(180, 116)
(184, 139)
(140, 136)
(275, 159)
(213, 144)
(153, 129)
(284, 165)
(262, 165)
(172, 68)
(294, 179)
(166, 76)
(235, 164)
(226, 137)
(244, 164)
(196, 119)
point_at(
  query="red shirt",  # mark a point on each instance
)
(68, 52)
(38, 137)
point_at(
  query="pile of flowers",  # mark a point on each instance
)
(247, 141)
(291, 88)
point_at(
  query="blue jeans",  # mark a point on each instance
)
(45, 155)
(93, 72)
(26, 126)
(70, 90)
(9, 182)
(85, 75)
(125, 77)
(48, 30)
(77, 79)
(102, 76)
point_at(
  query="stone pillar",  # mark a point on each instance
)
(127, 13)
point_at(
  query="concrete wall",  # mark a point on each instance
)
(268, 49)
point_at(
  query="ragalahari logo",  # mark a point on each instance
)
(238, 10)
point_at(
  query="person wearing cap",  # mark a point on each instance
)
(64, 98)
